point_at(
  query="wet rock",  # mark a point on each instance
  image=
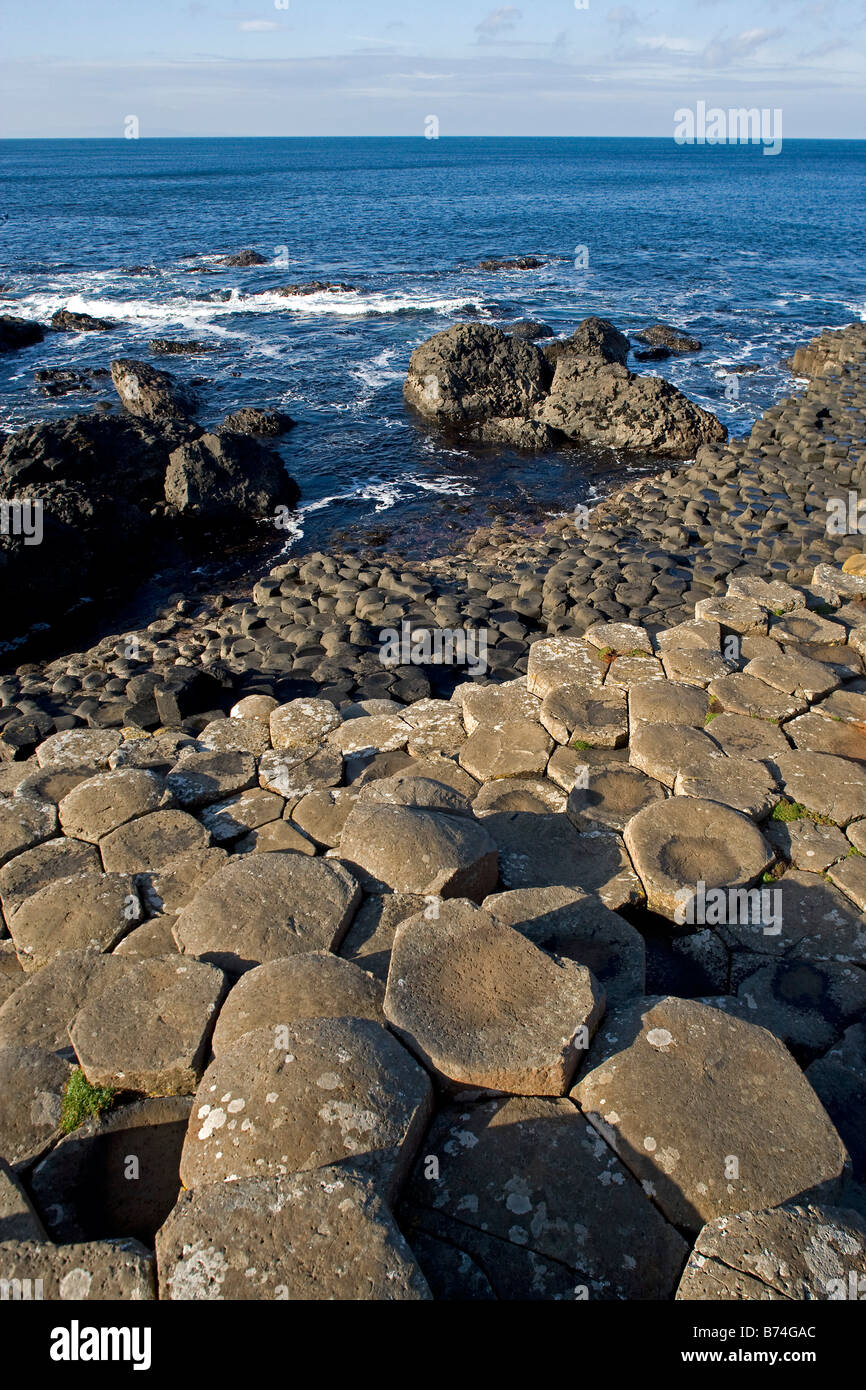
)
(674, 339)
(263, 423)
(65, 321)
(18, 333)
(227, 476)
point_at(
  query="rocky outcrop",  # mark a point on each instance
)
(250, 420)
(243, 259)
(677, 342)
(514, 263)
(475, 380)
(223, 475)
(830, 351)
(314, 287)
(150, 394)
(65, 321)
(18, 333)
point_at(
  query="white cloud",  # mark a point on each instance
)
(497, 22)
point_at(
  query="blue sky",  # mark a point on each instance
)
(380, 67)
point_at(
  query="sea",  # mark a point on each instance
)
(752, 254)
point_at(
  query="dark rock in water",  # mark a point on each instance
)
(745, 368)
(314, 287)
(64, 321)
(53, 381)
(656, 354)
(476, 381)
(222, 475)
(662, 335)
(515, 263)
(18, 333)
(528, 330)
(140, 270)
(176, 346)
(261, 422)
(150, 394)
(594, 337)
(243, 259)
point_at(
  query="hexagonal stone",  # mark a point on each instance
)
(742, 783)
(238, 815)
(678, 1089)
(576, 925)
(283, 992)
(811, 920)
(32, 1083)
(78, 748)
(807, 845)
(774, 595)
(417, 851)
(254, 707)
(695, 666)
(236, 735)
(322, 814)
(740, 736)
(839, 1079)
(678, 843)
(515, 749)
(800, 1252)
(491, 706)
(847, 705)
(88, 1189)
(18, 1219)
(294, 773)
(850, 875)
(152, 842)
(563, 661)
(372, 734)
(519, 794)
(303, 723)
(663, 751)
(482, 1006)
(626, 671)
(421, 793)
(585, 714)
(434, 768)
(369, 940)
(543, 851)
(806, 627)
(105, 1270)
(625, 639)
(275, 837)
(96, 807)
(815, 733)
(608, 797)
(808, 1004)
(45, 783)
(742, 694)
(695, 635)
(732, 613)
(327, 1091)
(41, 865)
(172, 887)
(89, 911)
(265, 906)
(159, 752)
(198, 779)
(24, 822)
(521, 1184)
(568, 764)
(437, 727)
(794, 675)
(668, 702)
(153, 938)
(40, 1011)
(829, 786)
(309, 1236)
(149, 1029)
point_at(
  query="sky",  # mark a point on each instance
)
(383, 67)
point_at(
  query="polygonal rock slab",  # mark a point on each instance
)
(236, 735)
(261, 907)
(567, 922)
(807, 1004)
(810, 919)
(542, 851)
(24, 822)
(519, 794)
(115, 1175)
(806, 844)
(740, 736)
(152, 938)
(96, 807)
(89, 911)
(774, 595)
(563, 661)
(416, 851)
(327, 1091)
(422, 793)
(491, 706)
(815, 733)
(668, 702)
(39, 1013)
(735, 614)
(199, 779)
(32, 1083)
(520, 1188)
(369, 940)
(683, 841)
(626, 639)
(664, 750)
(626, 671)
(695, 635)
(149, 1030)
(694, 666)
(322, 814)
(742, 694)
(847, 705)
(610, 796)
(230, 820)
(371, 734)
(152, 842)
(806, 627)
(799, 1252)
(309, 1236)
(303, 723)
(583, 714)
(794, 675)
(741, 783)
(680, 1089)
(482, 1006)
(515, 749)
(437, 727)
(283, 992)
(172, 887)
(104, 1271)
(850, 876)
(41, 865)
(78, 748)
(293, 773)
(829, 786)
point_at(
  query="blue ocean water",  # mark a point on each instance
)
(753, 254)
